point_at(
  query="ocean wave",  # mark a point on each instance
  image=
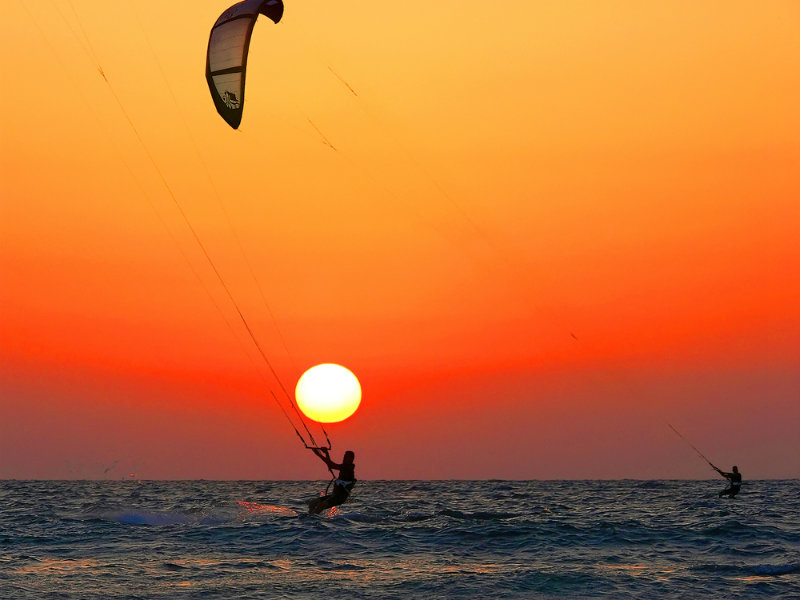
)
(416, 516)
(743, 570)
(161, 519)
(776, 569)
(478, 515)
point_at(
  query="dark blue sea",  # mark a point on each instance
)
(399, 539)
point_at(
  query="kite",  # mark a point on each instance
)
(226, 59)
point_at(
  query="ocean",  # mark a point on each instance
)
(399, 539)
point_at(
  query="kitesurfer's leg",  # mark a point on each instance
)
(336, 499)
(338, 496)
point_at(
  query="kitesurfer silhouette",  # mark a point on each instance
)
(343, 484)
(735, 484)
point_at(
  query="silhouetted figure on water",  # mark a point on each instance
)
(343, 484)
(735, 480)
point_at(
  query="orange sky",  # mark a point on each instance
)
(543, 230)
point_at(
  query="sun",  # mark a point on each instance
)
(328, 393)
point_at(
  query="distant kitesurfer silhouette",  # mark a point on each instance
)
(734, 478)
(343, 484)
(735, 484)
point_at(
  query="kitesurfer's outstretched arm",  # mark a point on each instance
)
(723, 473)
(326, 458)
(718, 470)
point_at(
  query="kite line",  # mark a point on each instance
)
(700, 454)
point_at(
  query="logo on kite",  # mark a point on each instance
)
(226, 58)
(230, 100)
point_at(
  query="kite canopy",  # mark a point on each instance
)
(226, 60)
